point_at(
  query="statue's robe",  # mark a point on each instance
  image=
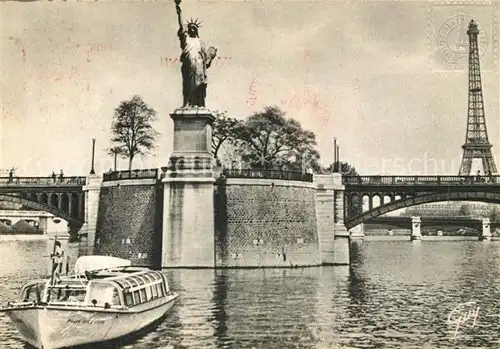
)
(193, 69)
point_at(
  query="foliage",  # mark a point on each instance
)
(346, 169)
(117, 150)
(464, 210)
(494, 214)
(269, 140)
(224, 129)
(131, 129)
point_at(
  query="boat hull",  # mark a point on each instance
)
(53, 327)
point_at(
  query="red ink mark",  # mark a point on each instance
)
(308, 55)
(311, 56)
(305, 99)
(172, 61)
(357, 96)
(252, 98)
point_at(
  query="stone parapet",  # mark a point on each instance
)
(265, 223)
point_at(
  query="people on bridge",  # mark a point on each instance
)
(61, 175)
(11, 175)
(54, 177)
(478, 176)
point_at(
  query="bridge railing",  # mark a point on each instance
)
(267, 174)
(151, 173)
(420, 180)
(43, 181)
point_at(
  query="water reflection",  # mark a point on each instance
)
(219, 316)
(395, 294)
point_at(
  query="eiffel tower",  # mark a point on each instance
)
(476, 144)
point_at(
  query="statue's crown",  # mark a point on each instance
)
(194, 23)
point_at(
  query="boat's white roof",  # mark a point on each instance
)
(93, 263)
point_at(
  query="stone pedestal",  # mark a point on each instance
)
(188, 238)
(43, 224)
(358, 232)
(486, 231)
(92, 190)
(416, 225)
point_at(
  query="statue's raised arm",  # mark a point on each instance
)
(179, 12)
(195, 61)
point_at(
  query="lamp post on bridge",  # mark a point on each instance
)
(92, 171)
(336, 162)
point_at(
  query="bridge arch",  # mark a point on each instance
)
(74, 222)
(488, 197)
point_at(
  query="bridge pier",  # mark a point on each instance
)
(332, 234)
(486, 231)
(188, 208)
(416, 225)
(91, 190)
(341, 253)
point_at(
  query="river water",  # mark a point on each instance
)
(396, 294)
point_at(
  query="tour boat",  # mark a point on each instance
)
(102, 299)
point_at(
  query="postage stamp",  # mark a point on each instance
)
(448, 41)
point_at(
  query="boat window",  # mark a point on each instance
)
(154, 291)
(74, 295)
(30, 294)
(123, 284)
(129, 299)
(133, 281)
(103, 293)
(137, 297)
(160, 290)
(55, 294)
(149, 277)
(139, 280)
(149, 294)
(165, 283)
(143, 295)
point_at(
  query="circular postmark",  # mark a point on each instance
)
(453, 41)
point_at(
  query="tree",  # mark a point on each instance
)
(224, 129)
(494, 214)
(465, 210)
(269, 140)
(345, 169)
(132, 130)
(115, 152)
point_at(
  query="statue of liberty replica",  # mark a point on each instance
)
(188, 185)
(196, 59)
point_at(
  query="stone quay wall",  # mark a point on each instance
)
(129, 221)
(265, 223)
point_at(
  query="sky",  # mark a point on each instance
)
(386, 79)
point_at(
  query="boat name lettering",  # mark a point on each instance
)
(86, 321)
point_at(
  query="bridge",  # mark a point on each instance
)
(396, 192)
(63, 197)
(435, 221)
